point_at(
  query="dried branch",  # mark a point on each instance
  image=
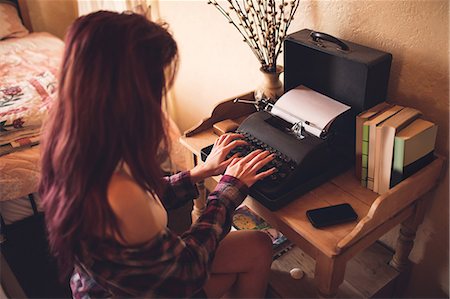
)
(263, 24)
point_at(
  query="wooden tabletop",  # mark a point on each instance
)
(373, 210)
(293, 215)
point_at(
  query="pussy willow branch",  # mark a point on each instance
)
(262, 26)
(262, 23)
(288, 21)
(259, 38)
(252, 32)
(242, 29)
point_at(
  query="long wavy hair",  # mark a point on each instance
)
(115, 73)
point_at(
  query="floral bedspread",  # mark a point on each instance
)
(28, 72)
(28, 68)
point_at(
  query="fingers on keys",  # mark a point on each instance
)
(262, 159)
(235, 143)
(225, 139)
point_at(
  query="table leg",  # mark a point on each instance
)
(403, 248)
(329, 275)
(200, 202)
(405, 241)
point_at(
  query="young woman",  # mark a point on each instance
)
(102, 186)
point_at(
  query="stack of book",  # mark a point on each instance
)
(392, 142)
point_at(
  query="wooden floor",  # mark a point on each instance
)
(368, 275)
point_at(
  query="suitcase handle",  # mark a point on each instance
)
(317, 36)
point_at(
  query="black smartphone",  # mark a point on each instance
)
(331, 215)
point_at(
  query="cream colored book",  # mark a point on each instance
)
(360, 119)
(384, 146)
(370, 127)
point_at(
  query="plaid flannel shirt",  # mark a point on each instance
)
(169, 265)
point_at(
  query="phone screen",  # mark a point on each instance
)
(331, 215)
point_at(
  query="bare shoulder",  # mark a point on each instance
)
(132, 206)
(124, 192)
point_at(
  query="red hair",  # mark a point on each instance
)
(114, 75)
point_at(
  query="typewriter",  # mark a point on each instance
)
(302, 159)
(347, 72)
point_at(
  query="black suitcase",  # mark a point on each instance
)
(347, 72)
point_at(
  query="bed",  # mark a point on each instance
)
(28, 70)
(29, 65)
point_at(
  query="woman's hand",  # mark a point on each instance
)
(216, 163)
(245, 169)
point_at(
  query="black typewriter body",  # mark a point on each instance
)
(301, 164)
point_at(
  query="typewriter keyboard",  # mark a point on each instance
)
(281, 162)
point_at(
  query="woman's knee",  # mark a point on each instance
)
(261, 244)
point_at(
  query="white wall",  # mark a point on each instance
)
(216, 64)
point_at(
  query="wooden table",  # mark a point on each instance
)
(332, 247)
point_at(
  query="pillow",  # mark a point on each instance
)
(10, 23)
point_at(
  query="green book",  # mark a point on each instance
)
(384, 145)
(364, 155)
(368, 147)
(413, 149)
(360, 119)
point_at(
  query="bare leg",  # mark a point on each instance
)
(241, 266)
